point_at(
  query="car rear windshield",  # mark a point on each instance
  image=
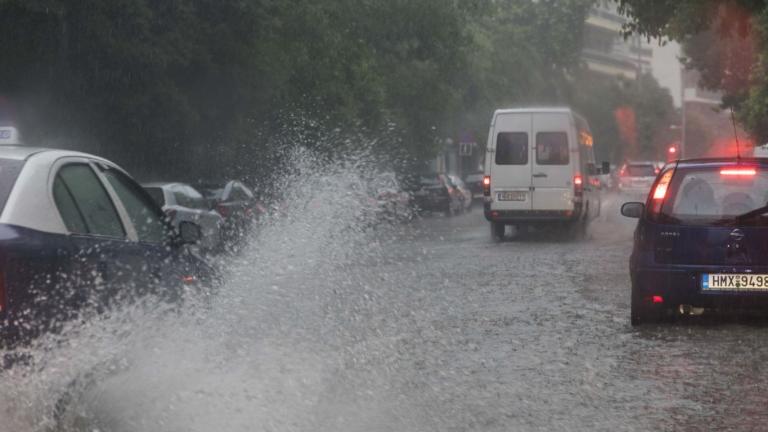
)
(641, 170)
(157, 195)
(717, 195)
(9, 172)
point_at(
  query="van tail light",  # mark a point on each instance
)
(578, 185)
(660, 192)
(487, 186)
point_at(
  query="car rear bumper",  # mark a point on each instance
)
(531, 216)
(682, 286)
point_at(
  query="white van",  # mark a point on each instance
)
(540, 171)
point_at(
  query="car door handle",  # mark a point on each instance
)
(539, 175)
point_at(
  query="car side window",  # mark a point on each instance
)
(146, 217)
(84, 204)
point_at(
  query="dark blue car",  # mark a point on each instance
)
(78, 233)
(702, 239)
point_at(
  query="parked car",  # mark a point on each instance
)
(539, 171)
(461, 187)
(636, 177)
(76, 232)
(236, 203)
(185, 205)
(474, 182)
(700, 242)
(434, 193)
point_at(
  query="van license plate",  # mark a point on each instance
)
(734, 282)
(512, 196)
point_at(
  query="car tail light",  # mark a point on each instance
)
(487, 186)
(578, 184)
(223, 210)
(657, 299)
(740, 172)
(660, 191)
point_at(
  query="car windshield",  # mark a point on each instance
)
(641, 171)
(716, 195)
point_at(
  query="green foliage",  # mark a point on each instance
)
(726, 40)
(206, 87)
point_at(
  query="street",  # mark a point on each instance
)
(430, 326)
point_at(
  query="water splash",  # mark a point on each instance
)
(302, 336)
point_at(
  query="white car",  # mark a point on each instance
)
(636, 178)
(184, 204)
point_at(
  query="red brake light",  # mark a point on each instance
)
(657, 299)
(661, 188)
(738, 172)
(487, 185)
(578, 184)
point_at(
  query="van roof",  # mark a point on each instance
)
(534, 110)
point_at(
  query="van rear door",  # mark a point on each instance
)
(554, 154)
(511, 162)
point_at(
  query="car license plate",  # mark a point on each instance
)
(734, 282)
(512, 196)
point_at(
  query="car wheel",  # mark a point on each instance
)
(497, 231)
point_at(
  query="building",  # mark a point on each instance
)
(606, 51)
(708, 130)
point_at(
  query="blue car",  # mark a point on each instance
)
(702, 240)
(78, 233)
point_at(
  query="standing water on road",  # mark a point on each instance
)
(327, 323)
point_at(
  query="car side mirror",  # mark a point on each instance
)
(633, 209)
(189, 233)
(606, 168)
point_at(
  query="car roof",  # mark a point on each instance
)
(721, 161)
(565, 110)
(23, 152)
(642, 163)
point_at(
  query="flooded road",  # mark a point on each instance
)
(326, 326)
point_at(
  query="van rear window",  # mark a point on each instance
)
(512, 148)
(552, 148)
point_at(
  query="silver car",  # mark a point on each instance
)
(183, 204)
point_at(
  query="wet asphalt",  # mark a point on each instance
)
(533, 334)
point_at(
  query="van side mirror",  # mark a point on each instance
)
(633, 209)
(606, 168)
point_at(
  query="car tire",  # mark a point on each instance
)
(497, 231)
